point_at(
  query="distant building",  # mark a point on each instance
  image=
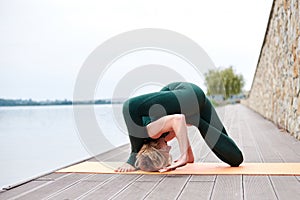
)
(218, 98)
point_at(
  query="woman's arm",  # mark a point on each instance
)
(162, 125)
(173, 123)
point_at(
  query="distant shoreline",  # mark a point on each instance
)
(30, 102)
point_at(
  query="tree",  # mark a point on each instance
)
(224, 82)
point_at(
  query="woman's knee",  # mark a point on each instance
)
(237, 159)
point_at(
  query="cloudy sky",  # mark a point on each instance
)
(43, 44)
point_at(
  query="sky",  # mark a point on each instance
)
(43, 44)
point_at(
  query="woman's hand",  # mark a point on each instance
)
(180, 162)
(188, 157)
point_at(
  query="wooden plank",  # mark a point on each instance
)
(264, 146)
(269, 148)
(8, 194)
(169, 188)
(197, 190)
(231, 116)
(287, 147)
(250, 154)
(88, 184)
(112, 153)
(50, 177)
(83, 186)
(137, 190)
(228, 187)
(251, 149)
(100, 177)
(198, 187)
(74, 191)
(140, 188)
(150, 178)
(47, 190)
(210, 157)
(272, 144)
(205, 154)
(203, 178)
(110, 188)
(122, 157)
(286, 187)
(247, 142)
(258, 187)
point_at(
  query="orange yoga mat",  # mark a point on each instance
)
(193, 168)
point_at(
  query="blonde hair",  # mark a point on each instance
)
(150, 158)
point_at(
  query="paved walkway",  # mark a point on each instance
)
(259, 139)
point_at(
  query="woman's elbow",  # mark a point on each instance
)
(178, 118)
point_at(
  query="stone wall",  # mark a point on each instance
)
(276, 85)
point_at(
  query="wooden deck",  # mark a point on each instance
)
(259, 139)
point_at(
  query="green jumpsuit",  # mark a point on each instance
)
(179, 98)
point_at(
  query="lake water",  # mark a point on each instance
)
(40, 139)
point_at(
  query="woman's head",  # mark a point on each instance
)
(154, 156)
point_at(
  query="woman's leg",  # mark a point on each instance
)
(215, 135)
(212, 129)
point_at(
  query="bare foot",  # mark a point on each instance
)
(125, 168)
(190, 155)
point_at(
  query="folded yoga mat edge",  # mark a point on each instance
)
(193, 168)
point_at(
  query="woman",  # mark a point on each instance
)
(155, 118)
